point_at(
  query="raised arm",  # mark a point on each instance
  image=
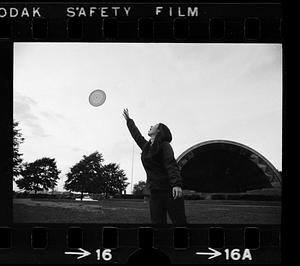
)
(134, 131)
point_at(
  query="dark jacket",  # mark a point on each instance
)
(161, 168)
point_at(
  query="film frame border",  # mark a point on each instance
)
(212, 23)
(178, 30)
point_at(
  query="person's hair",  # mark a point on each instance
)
(163, 134)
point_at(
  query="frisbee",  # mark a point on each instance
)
(97, 97)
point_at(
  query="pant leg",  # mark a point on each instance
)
(158, 207)
(176, 210)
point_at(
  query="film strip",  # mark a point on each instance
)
(115, 242)
(142, 22)
(127, 245)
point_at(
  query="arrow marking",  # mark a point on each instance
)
(212, 254)
(83, 253)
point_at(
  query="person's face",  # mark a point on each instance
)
(153, 130)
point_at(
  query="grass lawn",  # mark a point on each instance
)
(137, 211)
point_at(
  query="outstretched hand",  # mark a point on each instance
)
(126, 114)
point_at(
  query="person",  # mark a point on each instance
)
(163, 175)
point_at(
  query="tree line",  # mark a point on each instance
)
(89, 175)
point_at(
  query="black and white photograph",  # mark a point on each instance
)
(147, 133)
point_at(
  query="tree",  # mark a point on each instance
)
(41, 174)
(112, 181)
(90, 176)
(17, 159)
(82, 175)
(138, 189)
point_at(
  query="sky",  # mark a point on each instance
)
(200, 91)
